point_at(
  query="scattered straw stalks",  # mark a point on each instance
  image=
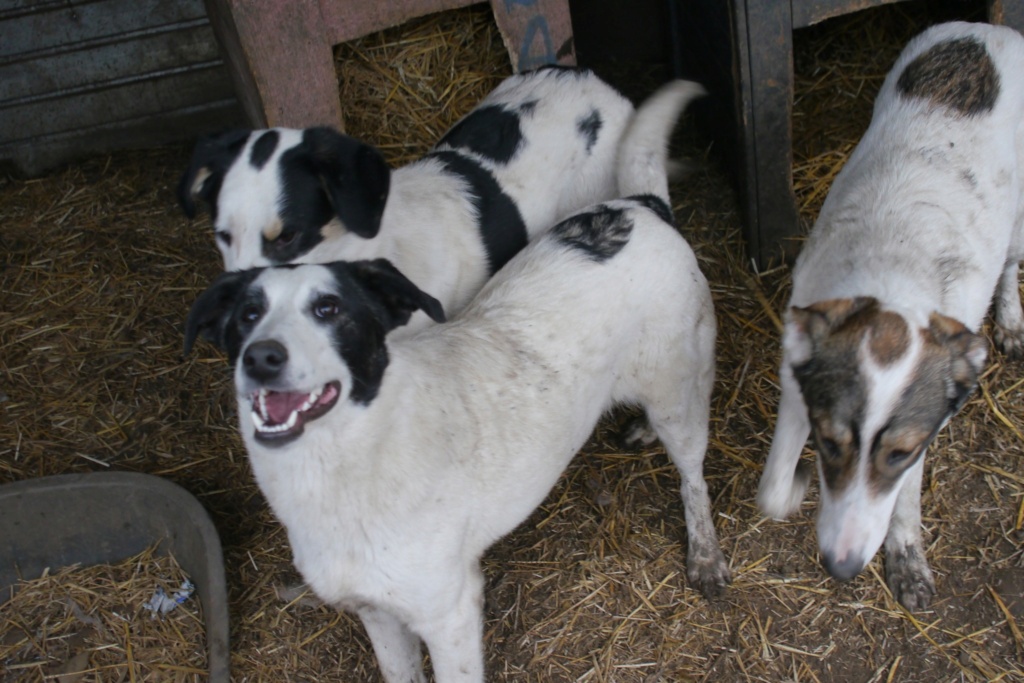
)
(88, 625)
(99, 269)
(401, 89)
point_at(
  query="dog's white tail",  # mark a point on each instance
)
(642, 166)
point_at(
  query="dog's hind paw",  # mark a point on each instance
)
(708, 572)
(638, 432)
(910, 578)
(1010, 341)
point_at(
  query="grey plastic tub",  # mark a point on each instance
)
(104, 517)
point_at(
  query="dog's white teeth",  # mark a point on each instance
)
(263, 401)
(311, 400)
(261, 426)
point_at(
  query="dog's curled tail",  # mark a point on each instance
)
(642, 166)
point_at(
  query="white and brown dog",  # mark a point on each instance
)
(920, 228)
(394, 463)
(538, 148)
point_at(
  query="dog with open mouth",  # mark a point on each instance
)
(881, 347)
(395, 462)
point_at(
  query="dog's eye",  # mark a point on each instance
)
(225, 237)
(897, 457)
(326, 307)
(830, 449)
(251, 314)
(285, 238)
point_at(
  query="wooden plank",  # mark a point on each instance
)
(809, 12)
(172, 125)
(535, 32)
(767, 134)
(14, 7)
(1007, 12)
(346, 20)
(52, 26)
(64, 72)
(107, 106)
(280, 59)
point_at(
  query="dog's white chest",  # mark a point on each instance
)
(349, 542)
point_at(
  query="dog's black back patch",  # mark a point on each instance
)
(263, 148)
(957, 74)
(656, 204)
(491, 131)
(500, 223)
(600, 233)
(589, 127)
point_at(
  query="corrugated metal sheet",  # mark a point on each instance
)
(81, 76)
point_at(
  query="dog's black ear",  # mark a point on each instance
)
(355, 175)
(210, 313)
(211, 158)
(398, 295)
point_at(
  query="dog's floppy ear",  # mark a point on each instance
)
(355, 175)
(398, 295)
(968, 352)
(211, 158)
(807, 327)
(212, 310)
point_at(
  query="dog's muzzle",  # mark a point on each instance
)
(280, 416)
(842, 570)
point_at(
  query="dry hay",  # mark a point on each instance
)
(89, 625)
(100, 270)
(402, 88)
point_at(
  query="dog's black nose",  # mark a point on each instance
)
(264, 360)
(842, 570)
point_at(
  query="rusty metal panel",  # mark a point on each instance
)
(81, 76)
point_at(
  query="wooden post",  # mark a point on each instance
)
(280, 59)
(280, 54)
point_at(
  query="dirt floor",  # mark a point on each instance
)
(99, 270)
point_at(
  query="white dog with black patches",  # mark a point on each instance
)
(881, 349)
(540, 147)
(394, 463)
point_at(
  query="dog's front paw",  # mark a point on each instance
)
(1010, 340)
(708, 572)
(781, 498)
(910, 578)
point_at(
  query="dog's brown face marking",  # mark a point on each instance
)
(922, 409)
(332, 229)
(833, 389)
(943, 379)
(836, 391)
(273, 230)
(957, 74)
(889, 337)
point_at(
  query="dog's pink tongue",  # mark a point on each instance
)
(280, 405)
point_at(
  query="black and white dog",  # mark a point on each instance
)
(881, 348)
(395, 462)
(541, 146)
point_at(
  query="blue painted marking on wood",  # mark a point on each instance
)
(536, 27)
